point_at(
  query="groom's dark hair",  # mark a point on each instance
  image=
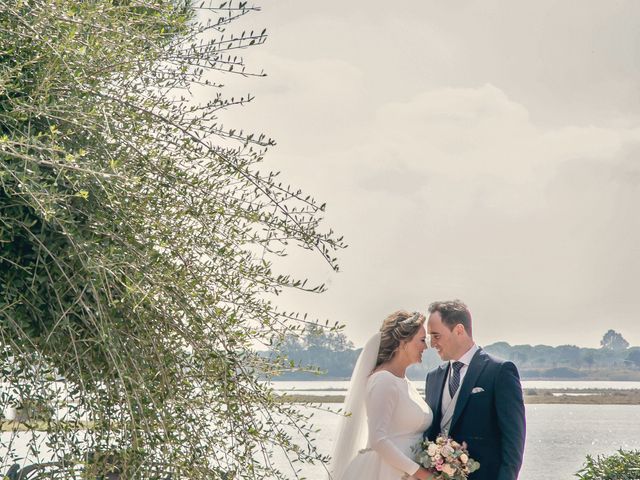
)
(452, 313)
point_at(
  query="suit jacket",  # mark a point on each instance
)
(489, 415)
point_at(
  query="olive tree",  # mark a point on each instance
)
(137, 245)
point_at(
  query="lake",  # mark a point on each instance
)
(558, 437)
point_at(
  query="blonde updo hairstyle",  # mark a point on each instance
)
(400, 326)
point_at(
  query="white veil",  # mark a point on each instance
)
(352, 431)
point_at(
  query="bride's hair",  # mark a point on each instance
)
(397, 327)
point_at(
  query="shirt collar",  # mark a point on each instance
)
(466, 358)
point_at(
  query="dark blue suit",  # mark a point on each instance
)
(490, 421)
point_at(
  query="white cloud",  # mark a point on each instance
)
(457, 193)
(485, 150)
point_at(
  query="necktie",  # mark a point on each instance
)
(454, 380)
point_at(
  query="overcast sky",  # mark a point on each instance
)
(485, 150)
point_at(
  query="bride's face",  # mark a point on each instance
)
(417, 345)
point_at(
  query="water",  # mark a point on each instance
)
(558, 437)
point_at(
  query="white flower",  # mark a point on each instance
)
(464, 458)
(432, 449)
(447, 451)
(448, 469)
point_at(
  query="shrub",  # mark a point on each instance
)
(623, 465)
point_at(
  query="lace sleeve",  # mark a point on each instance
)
(382, 400)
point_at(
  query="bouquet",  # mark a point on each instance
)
(446, 458)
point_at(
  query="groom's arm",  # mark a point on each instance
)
(511, 420)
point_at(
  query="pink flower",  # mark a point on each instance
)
(447, 458)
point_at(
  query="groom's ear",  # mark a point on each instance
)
(459, 329)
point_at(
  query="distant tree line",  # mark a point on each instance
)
(334, 356)
(316, 354)
(613, 361)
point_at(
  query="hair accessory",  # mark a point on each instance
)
(412, 319)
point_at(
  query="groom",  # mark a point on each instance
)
(475, 398)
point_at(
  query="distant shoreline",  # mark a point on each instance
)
(628, 377)
(532, 396)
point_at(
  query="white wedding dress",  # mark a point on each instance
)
(396, 417)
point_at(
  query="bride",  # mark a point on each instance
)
(385, 416)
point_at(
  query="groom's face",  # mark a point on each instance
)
(442, 339)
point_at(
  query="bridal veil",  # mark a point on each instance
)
(352, 430)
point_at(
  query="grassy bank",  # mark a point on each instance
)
(531, 396)
(584, 397)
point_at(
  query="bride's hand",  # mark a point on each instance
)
(423, 474)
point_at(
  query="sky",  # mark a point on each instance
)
(481, 150)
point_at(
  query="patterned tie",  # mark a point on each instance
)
(454, 380)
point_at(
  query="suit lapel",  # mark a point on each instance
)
(476, 366)
(435, 394)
